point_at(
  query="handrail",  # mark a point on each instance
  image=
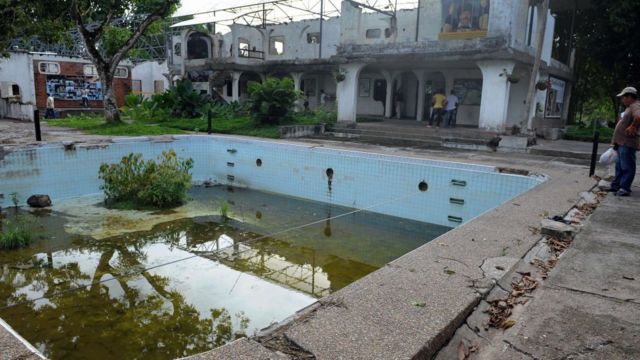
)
(251, 54)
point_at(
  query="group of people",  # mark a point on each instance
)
(444, 109)
(323, 100)
(50, 112)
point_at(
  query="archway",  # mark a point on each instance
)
(245, 78)
(372, 93)
(406, 89)
(198, 46)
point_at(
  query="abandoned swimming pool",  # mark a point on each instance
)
(226, 278)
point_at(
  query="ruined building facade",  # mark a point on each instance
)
(482, 50)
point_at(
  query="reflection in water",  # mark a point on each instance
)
(225, 279)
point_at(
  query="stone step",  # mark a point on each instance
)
(407, 134)
(416, 142)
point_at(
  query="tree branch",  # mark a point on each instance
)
(155, 15)
(88, 36)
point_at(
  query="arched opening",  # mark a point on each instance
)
(198, 46)
(245, 78)
(406, 96)
(372, 93)
(435, 81)
(313, 85)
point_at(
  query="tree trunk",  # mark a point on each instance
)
(542, 26)
(111, 111)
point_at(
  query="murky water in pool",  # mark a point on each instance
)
(188, 285)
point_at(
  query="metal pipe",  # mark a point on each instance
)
(321, 20)
(594, 152)
(36, 123)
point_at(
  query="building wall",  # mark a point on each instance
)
(17, 69)
(355, 24)
(74, 68)
(148, 73)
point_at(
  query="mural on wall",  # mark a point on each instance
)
(469, 91)
(465, 15)
(70, 87)
(555, 98)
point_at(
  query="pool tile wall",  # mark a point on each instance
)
(456, 193)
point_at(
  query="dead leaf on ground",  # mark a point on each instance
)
(463, 352)
(419, 303)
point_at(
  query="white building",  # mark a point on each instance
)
(482, 50)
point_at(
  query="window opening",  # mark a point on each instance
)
(49, 68)
(313, 38)
(372, 33)
(276, 45)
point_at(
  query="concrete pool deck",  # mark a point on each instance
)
(412, 306)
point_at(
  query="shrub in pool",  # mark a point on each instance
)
(138, 183)
(15, 233)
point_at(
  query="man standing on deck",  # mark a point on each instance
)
(626, 140)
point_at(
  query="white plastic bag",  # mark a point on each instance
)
(608, 157)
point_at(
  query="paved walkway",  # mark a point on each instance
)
(589, 307)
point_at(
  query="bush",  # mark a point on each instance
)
(141, 183)
(17, 233)
(271, 101)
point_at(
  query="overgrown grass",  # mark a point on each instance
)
(224, 122)
(96, 125)
(580, 133)
(16, 233)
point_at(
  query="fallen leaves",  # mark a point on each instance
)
(419, 303)
(500, 309)
(464, 351)
(545, 266)
(557, 244)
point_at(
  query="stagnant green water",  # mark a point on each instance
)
(186, 285)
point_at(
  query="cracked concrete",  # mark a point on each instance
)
(588, 308)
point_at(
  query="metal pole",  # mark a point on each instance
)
(418, 21)
(36, 123)
(321, 19)
(209, 123)
(594, 152)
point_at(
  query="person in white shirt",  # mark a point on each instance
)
(450, 110)
(85, 97)
(323, 98)
(50, 112)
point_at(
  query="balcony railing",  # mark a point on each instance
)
(251, 54)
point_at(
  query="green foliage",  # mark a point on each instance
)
(224, 209)
(147, 183)
(180, 101)
(607, 53)
(133, 100)
(271, 101)
(585, 133)
(16, 233)
(95, 124)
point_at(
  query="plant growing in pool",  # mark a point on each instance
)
(136, 183)
(16, 233)
(14, 199)
(224, 210)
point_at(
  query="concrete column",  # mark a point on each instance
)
(420, 74)
(297, 79)
(347, 92)
(235, 86)
(388, 102)
(495, 94)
